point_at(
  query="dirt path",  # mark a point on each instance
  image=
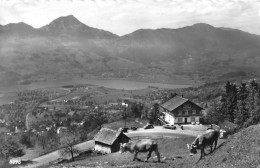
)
(45, 159)
(159, 130)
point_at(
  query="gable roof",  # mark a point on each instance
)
(175, 102)
(107, 136)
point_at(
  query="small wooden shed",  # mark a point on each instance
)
(108, 140)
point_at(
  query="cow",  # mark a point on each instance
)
(203, 140)
(142, 145)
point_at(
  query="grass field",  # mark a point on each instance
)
(173, 153)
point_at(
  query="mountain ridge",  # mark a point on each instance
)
(67, 48)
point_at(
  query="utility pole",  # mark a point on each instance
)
(125, 106)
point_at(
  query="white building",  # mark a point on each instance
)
(179, 110)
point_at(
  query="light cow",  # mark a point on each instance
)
(143, 145)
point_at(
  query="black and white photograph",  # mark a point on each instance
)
(129, 83)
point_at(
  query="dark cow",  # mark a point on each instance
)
(203, 140)
(143, 145)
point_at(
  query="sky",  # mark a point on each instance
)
(125, 16)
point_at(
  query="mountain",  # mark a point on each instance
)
(71, 26)
(20, 29)
(67, 48)
(199, 49)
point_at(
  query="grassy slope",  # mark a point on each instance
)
(173, 152)
(241, 150)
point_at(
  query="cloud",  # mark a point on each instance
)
(125, 16)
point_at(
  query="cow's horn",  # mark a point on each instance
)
(188, 146)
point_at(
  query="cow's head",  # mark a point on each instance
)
(122, 148)
(192, 148)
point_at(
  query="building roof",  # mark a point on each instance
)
(107, 136)
(174, 103)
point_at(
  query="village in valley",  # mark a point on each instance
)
(73, 124)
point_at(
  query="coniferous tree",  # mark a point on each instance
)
(252, 88)
(241, 114)
(254, 103)
(229, 101)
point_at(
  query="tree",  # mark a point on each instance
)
(52, 137)
(98, 116)
(242, 112)
(26, 140)
(214, 115)
(43, 139)
(69, 140)
(9, 147)
(229, 101)
(154, 113)
(134, 109)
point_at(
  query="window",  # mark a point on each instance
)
(193, 111)
(190, 112)
(183, 112)
(186, 112)
(179, 112)
(192, 119)
(198, 112)
(179, 119)
(187, 106)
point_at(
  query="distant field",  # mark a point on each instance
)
(6, 98)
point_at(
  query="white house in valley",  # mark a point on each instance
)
(179, 110)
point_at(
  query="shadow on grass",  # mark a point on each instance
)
(217, 148)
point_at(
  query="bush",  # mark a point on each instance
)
(25, 140)
(9, 147)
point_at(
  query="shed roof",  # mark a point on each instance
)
(107, 136)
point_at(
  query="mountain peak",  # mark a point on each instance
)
(66, 21)
(69, 19)
(64, 24)
(202, 26)
(70, 26)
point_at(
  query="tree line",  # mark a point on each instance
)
(239, 104)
